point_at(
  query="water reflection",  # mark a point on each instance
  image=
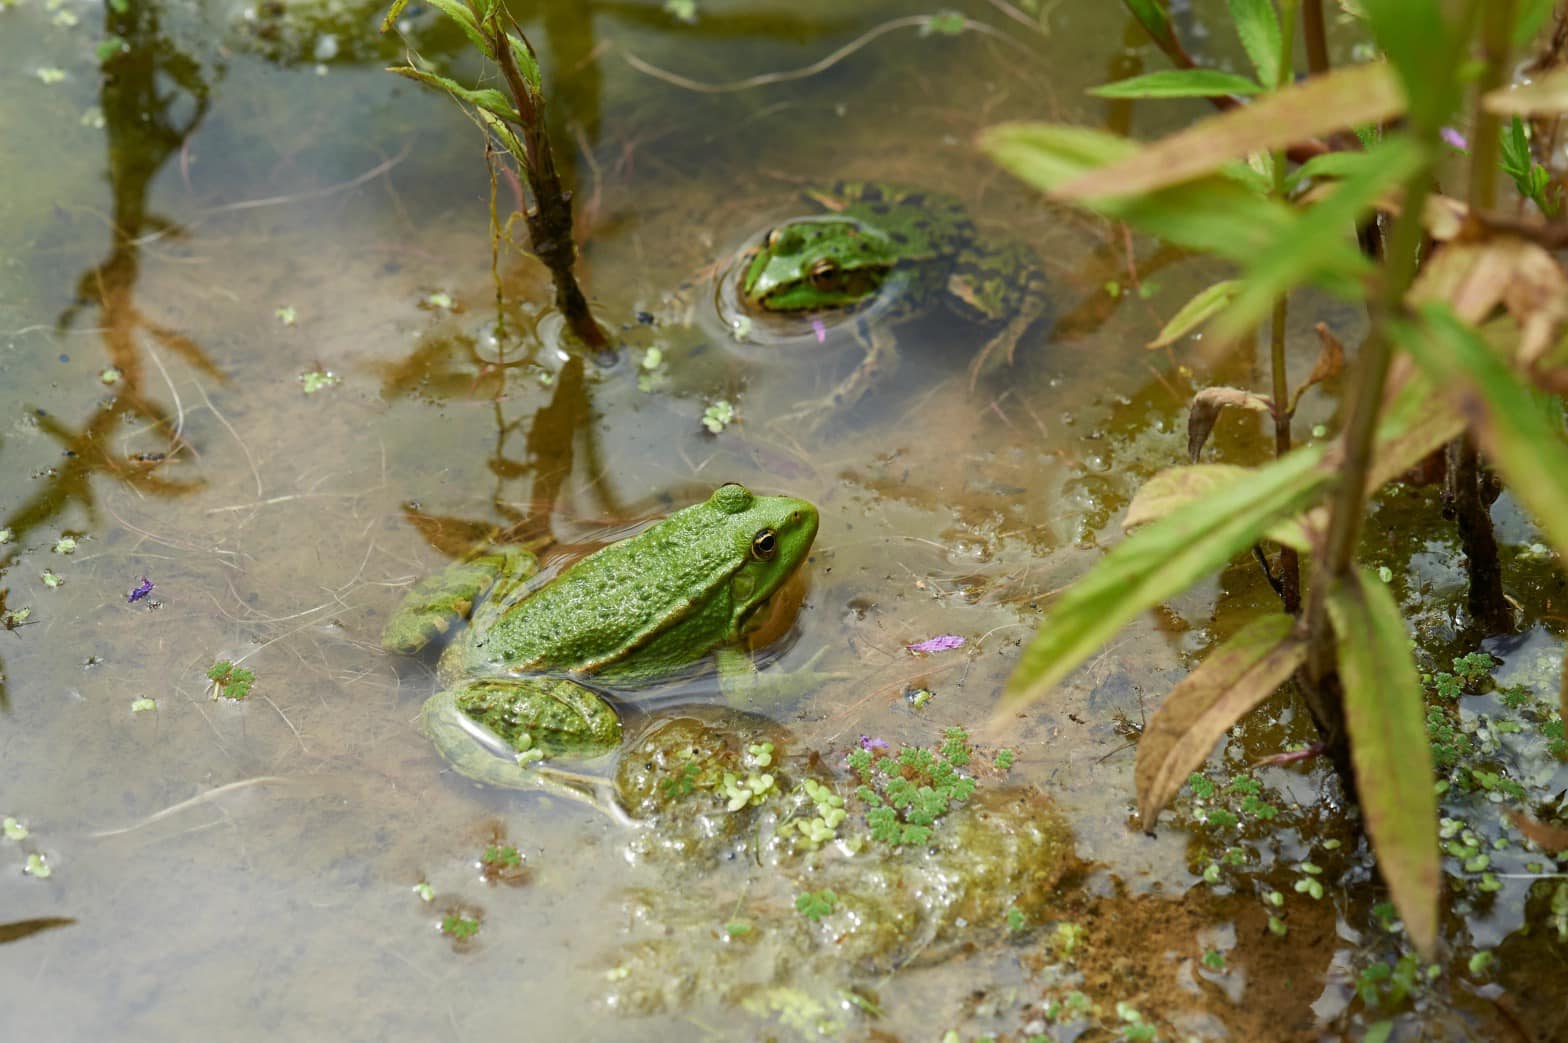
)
(154, 96)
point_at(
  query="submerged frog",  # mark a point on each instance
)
(635, 612)
(873, 240)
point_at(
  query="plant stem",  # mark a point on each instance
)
(550, 228)
(1316, 39)
(1289, 565)
(1488, 607)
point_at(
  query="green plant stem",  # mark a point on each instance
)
(1349, 500)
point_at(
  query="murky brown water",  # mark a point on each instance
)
(240, 207)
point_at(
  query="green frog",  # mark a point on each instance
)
(873, 240)
(633, 613)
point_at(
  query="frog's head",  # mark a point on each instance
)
(816, 264)
(771, 536)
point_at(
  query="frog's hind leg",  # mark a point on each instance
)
(996, 283)
(436, 603)
(476, 751)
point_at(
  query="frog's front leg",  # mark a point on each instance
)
(877, 366)
(434, 604)
(747, 688)
(998, 283)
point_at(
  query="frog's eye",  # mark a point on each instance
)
(823, 274)
(765, 545)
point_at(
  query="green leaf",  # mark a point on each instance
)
(1529, 16)
(1258, 27)
(1159, 561)
(455, 10)
(487, 98)
(1329, 165)
(1517, 430)
(1233, 680)
(1320, 248)
(1386, 719)
(1421, 49)
(1178, 83)
(1214, 214)
(1346, 97)
(1204, 305)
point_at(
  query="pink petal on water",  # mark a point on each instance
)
(940, 643)
(1454, 138)
(820, 330)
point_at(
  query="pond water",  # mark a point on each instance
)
(251, 354)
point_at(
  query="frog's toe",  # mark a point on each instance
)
(412, 632)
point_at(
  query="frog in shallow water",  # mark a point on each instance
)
(632, 613)
(873, 240)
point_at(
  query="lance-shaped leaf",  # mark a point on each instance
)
(1545, 97)
(487, 98)
(1519, 434)
(1347, 97)
(1258, 27)
(1168, 490)
(1215, 214)
(1233, 680)
(1416, 38)
(1159, 561)
(1319, 247)
(1205, 304)
(1385, 715)
(1178, 83)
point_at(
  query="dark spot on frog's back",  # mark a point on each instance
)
(898, 237)
(871, 193)
(915, 200)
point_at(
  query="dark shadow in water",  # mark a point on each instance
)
(19, 929)
(154, 96)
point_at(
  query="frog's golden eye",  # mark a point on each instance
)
(765, 545)
(823, 274)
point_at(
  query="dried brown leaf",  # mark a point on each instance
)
(1231, 682)
(1330, 364)
(1205, 411)
(1548, 838)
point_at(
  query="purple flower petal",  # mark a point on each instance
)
(819, 329)
(1454, 138)
(141, 590)
(868, 743)
(940, 643)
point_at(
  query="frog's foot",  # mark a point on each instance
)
(477, 751)
(997, 283)
(878, 365)
(1006, 341)
(437, 603)
(749, 689)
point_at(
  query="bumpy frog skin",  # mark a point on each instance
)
(876, 239)
(633, 612)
